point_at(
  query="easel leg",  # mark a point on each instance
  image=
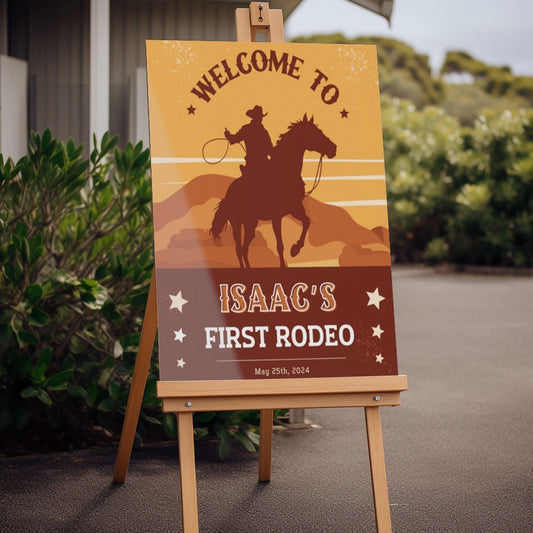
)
(377, 469)
(140, 374)
(265, 443)
(189, 503)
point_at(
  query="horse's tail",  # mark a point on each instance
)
(220, 221)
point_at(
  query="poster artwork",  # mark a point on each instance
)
(270, 215)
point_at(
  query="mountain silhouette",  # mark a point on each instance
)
(181, 225)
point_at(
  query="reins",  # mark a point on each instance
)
(318, 175)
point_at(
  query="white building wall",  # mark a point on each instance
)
(13, 107)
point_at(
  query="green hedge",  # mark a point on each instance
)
(75, 267)
(458, 194)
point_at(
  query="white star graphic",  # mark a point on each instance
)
(178, 302)
(179, 335)
(377, 331)
(379, 358)
(374, 298)
(181, 363)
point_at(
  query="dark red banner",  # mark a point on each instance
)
(255, 323)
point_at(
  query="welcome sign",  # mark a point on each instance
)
(270, 215)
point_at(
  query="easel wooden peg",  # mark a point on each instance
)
(259, 19)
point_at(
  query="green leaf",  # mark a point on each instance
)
(224, 441)
(138, 441)
(33, 293)
(107, 405)
(59, 381)
(36, 248)
(89, 284)
(13, 273)
(150, 391)
(78, 391)
(21, 232)
(36, 392)
(254, 437)
(114, 390)
(105, 375)
(44, 397)
(46, 138)
(26, 337)
(110, 312)
(26, 254)
(45, 356)
(204, 418)
(113, 262)
(38, 317)
(41, 365)
(245, 441)
(201, 432)
(108, 142)
(87, 298)
(150, 419)
(101, 272)
(68, 362)
(130, 342)
(93, 390)
(29, 392)
(170, 425)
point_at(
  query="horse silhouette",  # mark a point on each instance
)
(278, 191)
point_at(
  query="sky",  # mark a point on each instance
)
(497, 32)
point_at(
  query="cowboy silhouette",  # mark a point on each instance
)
(257, 142)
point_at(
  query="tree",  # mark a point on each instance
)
(403, 72)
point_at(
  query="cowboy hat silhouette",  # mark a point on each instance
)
(256, 112)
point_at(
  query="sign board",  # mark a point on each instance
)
(271, 238)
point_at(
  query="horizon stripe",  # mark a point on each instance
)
(346, 160)
(377, 177)
(177, 160)
(359, 203)
(370, 177)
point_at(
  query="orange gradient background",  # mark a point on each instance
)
(354, 180)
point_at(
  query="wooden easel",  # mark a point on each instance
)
(187, 397)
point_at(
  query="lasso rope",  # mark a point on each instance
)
(225, 151)
(223, 156)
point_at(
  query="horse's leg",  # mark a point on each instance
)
(249, 234)
(300, 214)
(236, 229)
(276, 226)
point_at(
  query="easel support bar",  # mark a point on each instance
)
(266, 422)
(140, 375)
(189, 504)
(273, 387)
(376, 455)
(288, 401)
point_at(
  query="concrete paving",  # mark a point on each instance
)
(459, 451)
